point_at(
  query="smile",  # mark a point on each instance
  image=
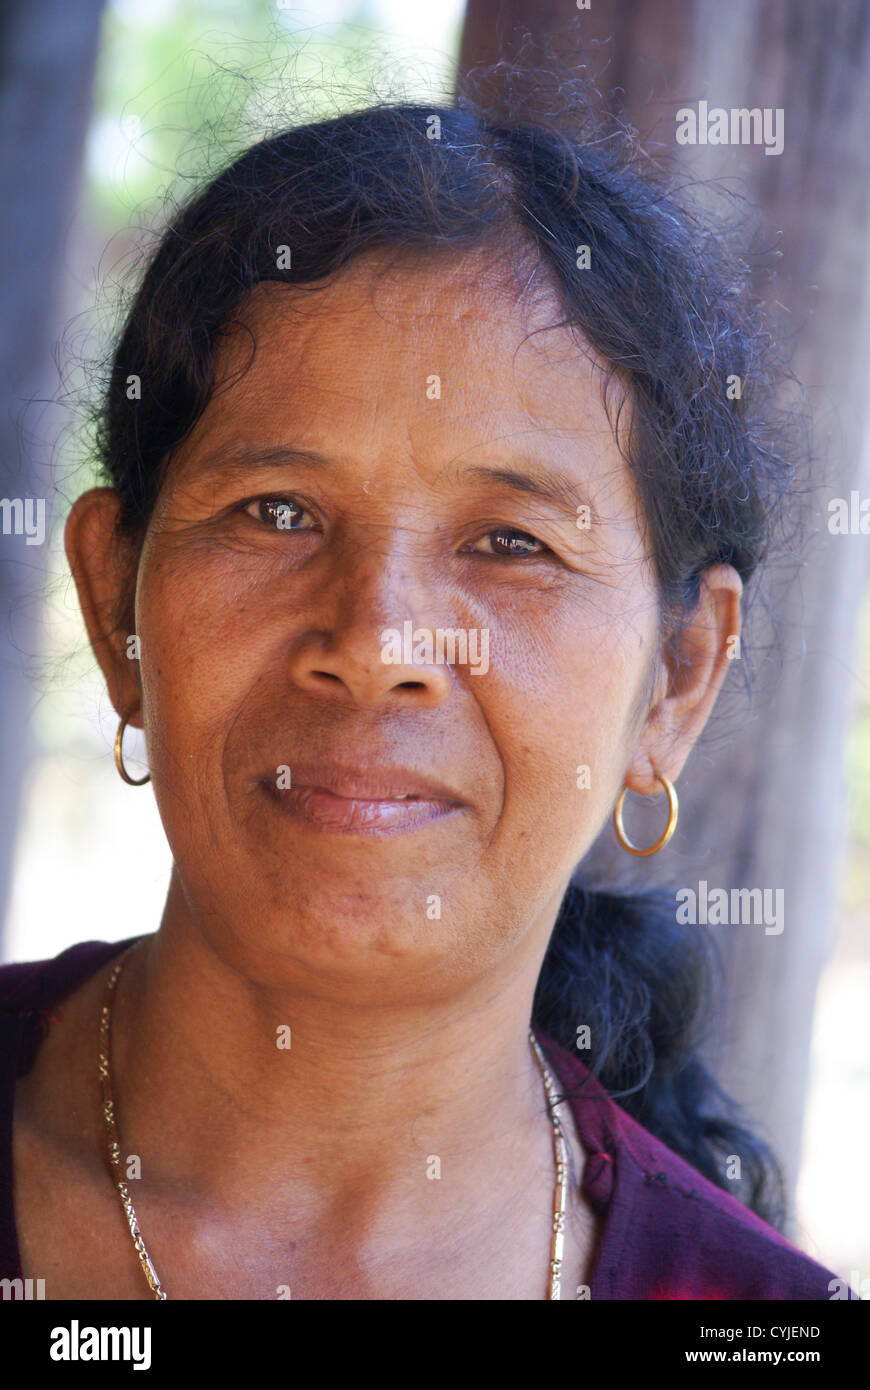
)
(358, 815)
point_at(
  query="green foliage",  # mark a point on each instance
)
(183, 85)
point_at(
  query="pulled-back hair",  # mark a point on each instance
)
(665, 306)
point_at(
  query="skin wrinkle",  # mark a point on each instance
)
(409, 1036)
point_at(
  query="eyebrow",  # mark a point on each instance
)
(551, 487)
(238, 460)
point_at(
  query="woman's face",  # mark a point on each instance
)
(400, 455)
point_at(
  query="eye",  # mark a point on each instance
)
(278, 513)
(505, 542)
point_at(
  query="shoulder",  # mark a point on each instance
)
(669, 1232)
(23, 982)
(701, 1242)
(30, 992)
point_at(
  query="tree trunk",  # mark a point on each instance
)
(765, 808)
(47, 55)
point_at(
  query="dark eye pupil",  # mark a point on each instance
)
(518, 543)
(283, 515)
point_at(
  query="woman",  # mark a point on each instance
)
(426, 525)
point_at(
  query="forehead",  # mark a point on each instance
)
(423, 347)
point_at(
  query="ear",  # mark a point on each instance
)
(691, 677)
(103, 566)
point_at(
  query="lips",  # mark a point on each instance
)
(383, 800)
(380, 783)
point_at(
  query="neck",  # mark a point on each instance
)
(246, 1095)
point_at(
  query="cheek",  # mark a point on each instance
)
(563, 716)
(198, 646)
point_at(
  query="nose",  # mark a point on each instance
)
(369, 651)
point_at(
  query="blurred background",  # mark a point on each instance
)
(110, 112)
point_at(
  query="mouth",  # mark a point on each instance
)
(386, 802)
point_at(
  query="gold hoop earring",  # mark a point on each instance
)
(119, 758)
(673, 812)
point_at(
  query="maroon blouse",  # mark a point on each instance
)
(667, 1232)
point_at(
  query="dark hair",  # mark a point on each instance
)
(671, 314)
